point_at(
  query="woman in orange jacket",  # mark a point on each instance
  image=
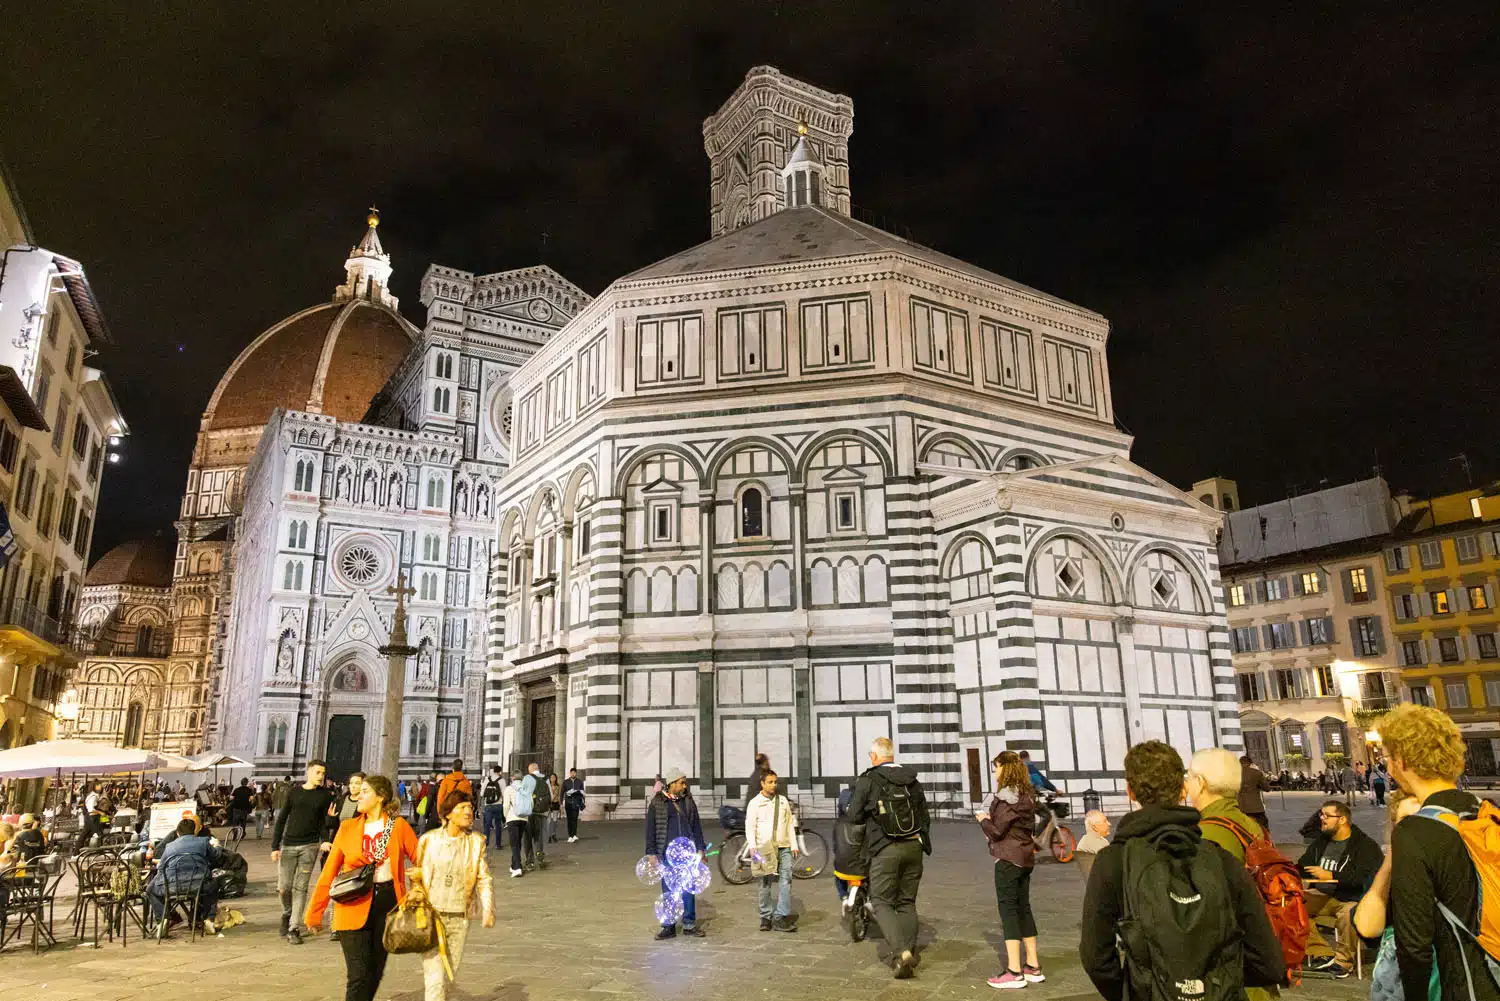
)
(375, 835)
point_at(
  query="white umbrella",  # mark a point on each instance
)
(78, 757)
(218, 759)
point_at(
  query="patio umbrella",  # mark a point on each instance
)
(218, 759)
(78, 757)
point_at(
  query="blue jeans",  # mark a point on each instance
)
(494, 818)
(784, 894)
(689, 909)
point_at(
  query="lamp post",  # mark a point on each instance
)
(396, 653)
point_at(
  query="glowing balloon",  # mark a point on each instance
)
(697, 879)
(649, 869)
(681, 852)
(675, 879)
(669, 909)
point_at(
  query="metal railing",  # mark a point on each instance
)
(29, 617)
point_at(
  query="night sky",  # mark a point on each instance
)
(1289, 217)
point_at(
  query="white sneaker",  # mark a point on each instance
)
(514, 873)
(572, 839)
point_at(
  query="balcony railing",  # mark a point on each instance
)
(23, 613)
(91, 644)
(1378, 702)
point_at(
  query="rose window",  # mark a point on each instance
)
(359, 564)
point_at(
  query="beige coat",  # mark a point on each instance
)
(456, 874)
(770, 820)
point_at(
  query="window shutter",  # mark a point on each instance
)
(1376, 632)
(1296, 585)
(1270, 637)
(1348, 583)
(1424, 603)
(1306, 630)
(1459, 599)
(1260, 591)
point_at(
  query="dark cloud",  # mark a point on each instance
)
(1288, 216)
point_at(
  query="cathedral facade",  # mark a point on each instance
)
(807, 484)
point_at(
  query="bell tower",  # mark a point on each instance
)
(769, 124)
(367, 272)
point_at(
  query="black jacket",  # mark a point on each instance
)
(1362, 860)
(668, 819)
(1429, 863)
(1104, 906)
(864, 805)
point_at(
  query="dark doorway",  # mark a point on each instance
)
(1480, 752)
(976, 786)
(543, 730)
(1258, 746)
(346, 746)
(134, 717)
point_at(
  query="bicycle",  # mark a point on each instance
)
(857, 909)
(1054, 837)
(808, 861)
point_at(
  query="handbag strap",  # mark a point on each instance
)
(384, 840)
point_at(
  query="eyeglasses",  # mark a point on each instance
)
(1329, 816)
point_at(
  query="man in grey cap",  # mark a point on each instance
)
(672, 814)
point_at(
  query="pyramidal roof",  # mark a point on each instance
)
(812, 233)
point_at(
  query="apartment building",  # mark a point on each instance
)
(1440, 574)
(53, 450)
(1308, 627)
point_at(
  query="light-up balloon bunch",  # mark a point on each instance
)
(681, 870)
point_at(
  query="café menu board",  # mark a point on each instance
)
(166, 816)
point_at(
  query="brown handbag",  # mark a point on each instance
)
(412, 927)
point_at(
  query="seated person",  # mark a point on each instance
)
(1339, 865)
(30, 842)
(195, 857)
(1094, 840)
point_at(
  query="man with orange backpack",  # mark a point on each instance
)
(1445, 860)
(1213, 784)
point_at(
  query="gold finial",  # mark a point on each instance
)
(802, 128)
(374, 217)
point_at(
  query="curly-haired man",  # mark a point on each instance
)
(1429, 865)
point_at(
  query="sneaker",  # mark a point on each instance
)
(515, 872)
(765, 924)
(294, 936)
(572, 839)
(208, 926)
(1338, 971)
(693, 932)
(1318, 964)
(666, 932)
(787, 924)
(1007, 981)
(905, 963)
(1033, 974)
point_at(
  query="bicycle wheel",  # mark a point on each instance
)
(735, 869)
(859, 918)
(1062, 844)
(814, 857)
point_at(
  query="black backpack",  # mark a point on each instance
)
(541, 799)
(900, 810)
(491, 792)
(1178, 934)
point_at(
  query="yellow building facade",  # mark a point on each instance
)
(1440, 579)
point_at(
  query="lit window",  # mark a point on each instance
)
(1311, 582)
(1478, 599)
(1440, 604)
(1359, 584)
(1324, 675)
(1237, 596)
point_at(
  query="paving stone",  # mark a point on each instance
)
(581, 931)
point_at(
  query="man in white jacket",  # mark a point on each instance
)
(771, 833)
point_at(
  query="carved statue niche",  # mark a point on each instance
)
(286, 652)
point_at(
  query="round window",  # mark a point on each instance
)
(359, 565)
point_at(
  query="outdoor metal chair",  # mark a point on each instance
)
(23, 901)
(106, 887)
(180, 882)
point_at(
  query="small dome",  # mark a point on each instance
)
(331, 359)
(141, 562)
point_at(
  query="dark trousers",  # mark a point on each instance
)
(572, 821)
(536, 826)
(494, 817)
(895, 876)
(1013, 894)
(364, 948)
(520, 831)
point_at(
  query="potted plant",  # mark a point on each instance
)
(1295, 762)
(1335, 761)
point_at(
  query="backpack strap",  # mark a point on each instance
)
(1241, 835)
(1441, 814)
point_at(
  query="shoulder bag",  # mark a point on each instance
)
(351, 884)
(767, 856)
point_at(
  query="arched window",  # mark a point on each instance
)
(752, 513)
(435, 492)
(286, 578)
(143, 637)
(134, 719)
(297, 580)
(302, 535)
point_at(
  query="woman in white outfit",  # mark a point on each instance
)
(455, 876)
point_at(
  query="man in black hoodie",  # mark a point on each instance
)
(1339, 865)
(889, 802)
(1154, 778)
